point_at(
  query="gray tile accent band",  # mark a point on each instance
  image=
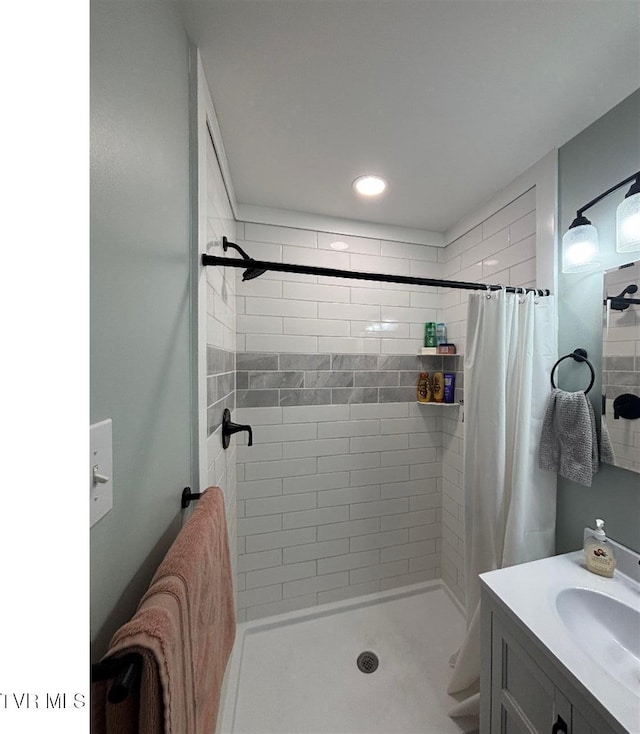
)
(272, 380)
(221, 385)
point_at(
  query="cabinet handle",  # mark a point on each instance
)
(559, 726)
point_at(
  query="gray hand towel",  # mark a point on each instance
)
(568, 440)
(606, 447)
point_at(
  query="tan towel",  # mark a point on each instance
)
(162, 702)
(184, 628)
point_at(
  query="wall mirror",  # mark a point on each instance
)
(621, 367)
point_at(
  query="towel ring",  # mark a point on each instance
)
(579, 355)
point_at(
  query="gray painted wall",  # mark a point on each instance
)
(140, 373)
(596, 159)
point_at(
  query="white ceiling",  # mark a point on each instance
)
(450, 100)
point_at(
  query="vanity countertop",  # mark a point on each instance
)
(530, 592)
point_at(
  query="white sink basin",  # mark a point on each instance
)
(588, 623)
(606, 629)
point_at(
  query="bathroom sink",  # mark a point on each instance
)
(607, 629)
(588, 624)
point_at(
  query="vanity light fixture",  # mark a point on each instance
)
(628, 220)
(370, 185)
(580, 246)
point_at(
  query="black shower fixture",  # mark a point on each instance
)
(249, 273)
(619, 302)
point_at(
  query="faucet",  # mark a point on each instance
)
(229, 428)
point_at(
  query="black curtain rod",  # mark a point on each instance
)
(358, 275)
(620, 301)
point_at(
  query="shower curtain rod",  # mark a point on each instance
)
(620, 301)
(255, 265)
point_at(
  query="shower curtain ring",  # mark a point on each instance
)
(488, 287)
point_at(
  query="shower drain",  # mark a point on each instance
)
(367, 662)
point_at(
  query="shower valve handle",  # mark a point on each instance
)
(229, 428)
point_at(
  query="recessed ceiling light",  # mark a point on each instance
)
(370, 185)
(339, 245)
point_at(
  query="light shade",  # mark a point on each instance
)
(580, 249)
(628, 221)
(370, 185)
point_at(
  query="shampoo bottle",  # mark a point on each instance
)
(597, 552)
(438, 387)
(425, 391)
(449, 387)
(430, 338)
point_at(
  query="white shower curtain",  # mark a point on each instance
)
(510, 504)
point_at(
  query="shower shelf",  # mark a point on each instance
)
(447, 405)
(424, 353)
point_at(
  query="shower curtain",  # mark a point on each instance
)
(510, 504)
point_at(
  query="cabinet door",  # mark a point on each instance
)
(522, 697)
(512, 724)
(519, 693)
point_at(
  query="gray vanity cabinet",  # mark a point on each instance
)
(522, 690)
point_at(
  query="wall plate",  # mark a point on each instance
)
(100, 470)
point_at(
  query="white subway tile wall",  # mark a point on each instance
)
(351, 487)
(502, 249)
(326, 375)
(220, 345)
(343, 515)
(314, 314)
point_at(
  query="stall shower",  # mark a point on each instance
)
(352, 492)
(350, 487)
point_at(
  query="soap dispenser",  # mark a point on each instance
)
(597, 552)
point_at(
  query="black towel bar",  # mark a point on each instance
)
(126, 671)
(187, 496)
(579, 355)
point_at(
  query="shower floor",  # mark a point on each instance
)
(297, 673)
